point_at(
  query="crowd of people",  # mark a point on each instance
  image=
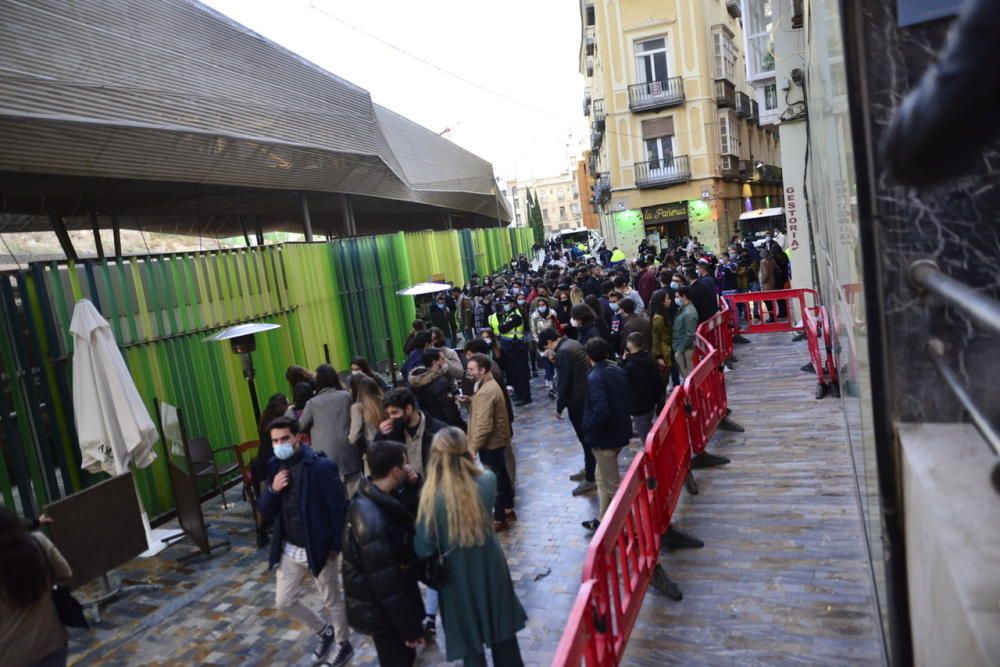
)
(390, 491)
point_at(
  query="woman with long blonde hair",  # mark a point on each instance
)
(479, 607)
(576, 296)
(366, 412)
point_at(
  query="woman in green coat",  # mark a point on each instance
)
(478, 604)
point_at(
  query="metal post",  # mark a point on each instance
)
(347, 213)
(117, 233)
(243, 226)
(248, 373)
(97, 235)
(306, 220)
(259, 229)
(64, 240)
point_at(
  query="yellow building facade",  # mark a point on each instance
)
(677, 147)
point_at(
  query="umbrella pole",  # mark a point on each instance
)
(248, 373)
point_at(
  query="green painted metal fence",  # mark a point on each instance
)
(337, 299)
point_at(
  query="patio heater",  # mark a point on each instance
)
(242, 342)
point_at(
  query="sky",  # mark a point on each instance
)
(512, 92)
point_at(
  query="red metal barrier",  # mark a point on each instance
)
(578, 644)
(769, 299)
(831, 364)
(810, 318)
(705, 393)
(668, 450)
(620, 559)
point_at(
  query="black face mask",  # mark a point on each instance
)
(399, 423)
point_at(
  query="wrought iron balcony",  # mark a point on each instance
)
(602, 188)
(729, 166)
(596, 136)
(769, 173)
(733, 7)
(658, 173)
(653, 95)
(743, 108)
(725, 94)
(599, 116)
(754, 111)
(592, 164)
(589, 42)
(745, 171)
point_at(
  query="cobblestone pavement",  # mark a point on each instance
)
(783, 578)
(220, 611)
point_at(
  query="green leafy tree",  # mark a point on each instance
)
(534, 213)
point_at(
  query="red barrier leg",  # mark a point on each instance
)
(707, 460)
(665, 584)
(676, 539)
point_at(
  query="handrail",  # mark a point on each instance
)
(926, 276)
(935, 348)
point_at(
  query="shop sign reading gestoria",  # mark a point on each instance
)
(671, 212)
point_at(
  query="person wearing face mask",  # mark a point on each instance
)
(617, 319)
(453, 365)
(563, 310)
(482, 310)
(529, 339)
(542, 318)
(408, 424)
(490, 434)
(442, 318)
(685, 323)
(434, 388)
(511, 327)
(307, 502)
(379, 566)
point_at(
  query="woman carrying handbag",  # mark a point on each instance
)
(479, 607)
(31, 632)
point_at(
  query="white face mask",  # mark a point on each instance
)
(489, 341)
(357, 372)
(675, 285)
(543, 309)
(678, 301)
(614, 306)
(575, 323)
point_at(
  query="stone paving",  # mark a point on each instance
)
(783, 578)
(220, 611)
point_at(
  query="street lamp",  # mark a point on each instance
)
(241, 340)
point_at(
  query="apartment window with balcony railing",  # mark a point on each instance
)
(760, 39)
(651, 60)
(729, 134)
(725, 54)
(590, 16)
(562, 212)
(770, 97)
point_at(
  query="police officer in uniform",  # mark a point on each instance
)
(509, 324)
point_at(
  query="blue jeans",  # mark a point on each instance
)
(549, 368)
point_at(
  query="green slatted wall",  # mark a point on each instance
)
(337, 298)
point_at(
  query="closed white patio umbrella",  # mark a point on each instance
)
(112, 423)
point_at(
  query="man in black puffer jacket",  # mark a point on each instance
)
(379, 567)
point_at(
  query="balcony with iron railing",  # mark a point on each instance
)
(743, 107)
(729, 167)
(601, 188)
(725, 94)
(589, 40)
(754, 111)
(653, 95)
(745, 171)
(596, 136)
(662, 172)
(597, 108)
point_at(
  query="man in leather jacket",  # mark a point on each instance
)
(379, 567)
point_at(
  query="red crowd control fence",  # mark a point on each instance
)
(758, 306)
(623, 555)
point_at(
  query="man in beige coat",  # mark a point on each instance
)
(490, 434)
